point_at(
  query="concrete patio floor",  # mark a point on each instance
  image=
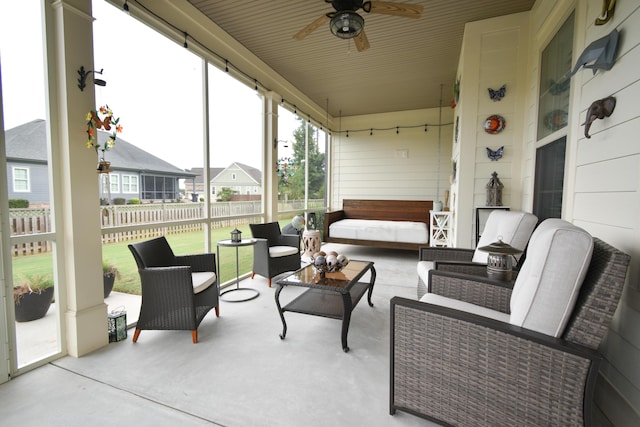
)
(239, 374)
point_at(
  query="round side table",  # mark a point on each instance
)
(253, 293)
(312, 242)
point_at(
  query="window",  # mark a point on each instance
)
(213, 190)
(21, 182)
(233, 176)
(549, 180)
(130, 184)
(112, 180)
(553, 106)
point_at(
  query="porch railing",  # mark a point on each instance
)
(122, 222)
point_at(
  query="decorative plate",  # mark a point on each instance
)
(556, 119)
(494, 124)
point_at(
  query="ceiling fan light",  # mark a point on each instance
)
(346, 25)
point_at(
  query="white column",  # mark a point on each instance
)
(270, 158)
(75, 182)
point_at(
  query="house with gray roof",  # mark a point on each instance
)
(136, 174)
(244, 180)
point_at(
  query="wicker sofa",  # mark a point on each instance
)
(462, 368)
(394, 224)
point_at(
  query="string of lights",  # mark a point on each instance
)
(230, 67)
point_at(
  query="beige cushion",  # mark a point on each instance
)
(513, 227)
(278, 251)
(202, 280)
(423, 270)
(549, 281)
(465, 306)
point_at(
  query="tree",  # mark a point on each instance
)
(225, 194)
(292, 183)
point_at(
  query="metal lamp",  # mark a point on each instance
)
(236, 236)
(346, 24)
(500, 260)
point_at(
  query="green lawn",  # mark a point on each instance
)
(119, 255)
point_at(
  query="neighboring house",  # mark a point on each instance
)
(135, 173)
(244, 180)
(196, 184)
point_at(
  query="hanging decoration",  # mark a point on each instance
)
(608, 8)
(456, 93)
(495, 154)
(494, 124)
(285, 169)
(497, 95)
(102, 119)
(599, 55)
(599, 110)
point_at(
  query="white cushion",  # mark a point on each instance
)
(513, 227)
(465, 306)
(549, 281)
(202, 280)
(423, 270)
(278, 251)
(385, 231)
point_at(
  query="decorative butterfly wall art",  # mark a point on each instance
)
(497, 95)
(495, 154)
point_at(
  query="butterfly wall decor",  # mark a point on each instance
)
(497, 95)
(495, 154)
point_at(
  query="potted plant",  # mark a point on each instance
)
(109, 274)
(33, 297)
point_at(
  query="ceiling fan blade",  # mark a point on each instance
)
(405, 10)
(361, 41)
(311, 27)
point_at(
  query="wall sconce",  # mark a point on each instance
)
(275, 143)
(82, 80)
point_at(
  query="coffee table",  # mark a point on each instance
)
(332, 295)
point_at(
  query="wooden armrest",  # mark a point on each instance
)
(330, 217)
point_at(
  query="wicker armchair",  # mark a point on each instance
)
(459, 368)
(513, 227)
(177, 291)
(274, 253)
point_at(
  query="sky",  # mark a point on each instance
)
(153, 85)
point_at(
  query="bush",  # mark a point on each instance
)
(119, 201)
(134, 201)
(18, 203)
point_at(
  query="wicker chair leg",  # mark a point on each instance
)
(217, 311)
(194, 336)
(269, 281)
(253, 274)
(136, 334)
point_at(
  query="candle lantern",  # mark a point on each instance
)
(494, 190)
(500, 260)
(236, 236)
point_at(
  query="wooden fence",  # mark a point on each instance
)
(224, 214)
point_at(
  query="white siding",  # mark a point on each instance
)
(374, 166)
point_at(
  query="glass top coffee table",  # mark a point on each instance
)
(332, 295)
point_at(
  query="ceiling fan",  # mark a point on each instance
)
(345, 23)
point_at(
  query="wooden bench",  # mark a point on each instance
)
(385, 210)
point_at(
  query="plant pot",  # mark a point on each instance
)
(33, 306)
(109, 279)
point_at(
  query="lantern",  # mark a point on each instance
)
(500, 260)
(236, 236)
(117, 325)
(494, 190)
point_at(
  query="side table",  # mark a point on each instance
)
(312, 242)
(253, 293)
